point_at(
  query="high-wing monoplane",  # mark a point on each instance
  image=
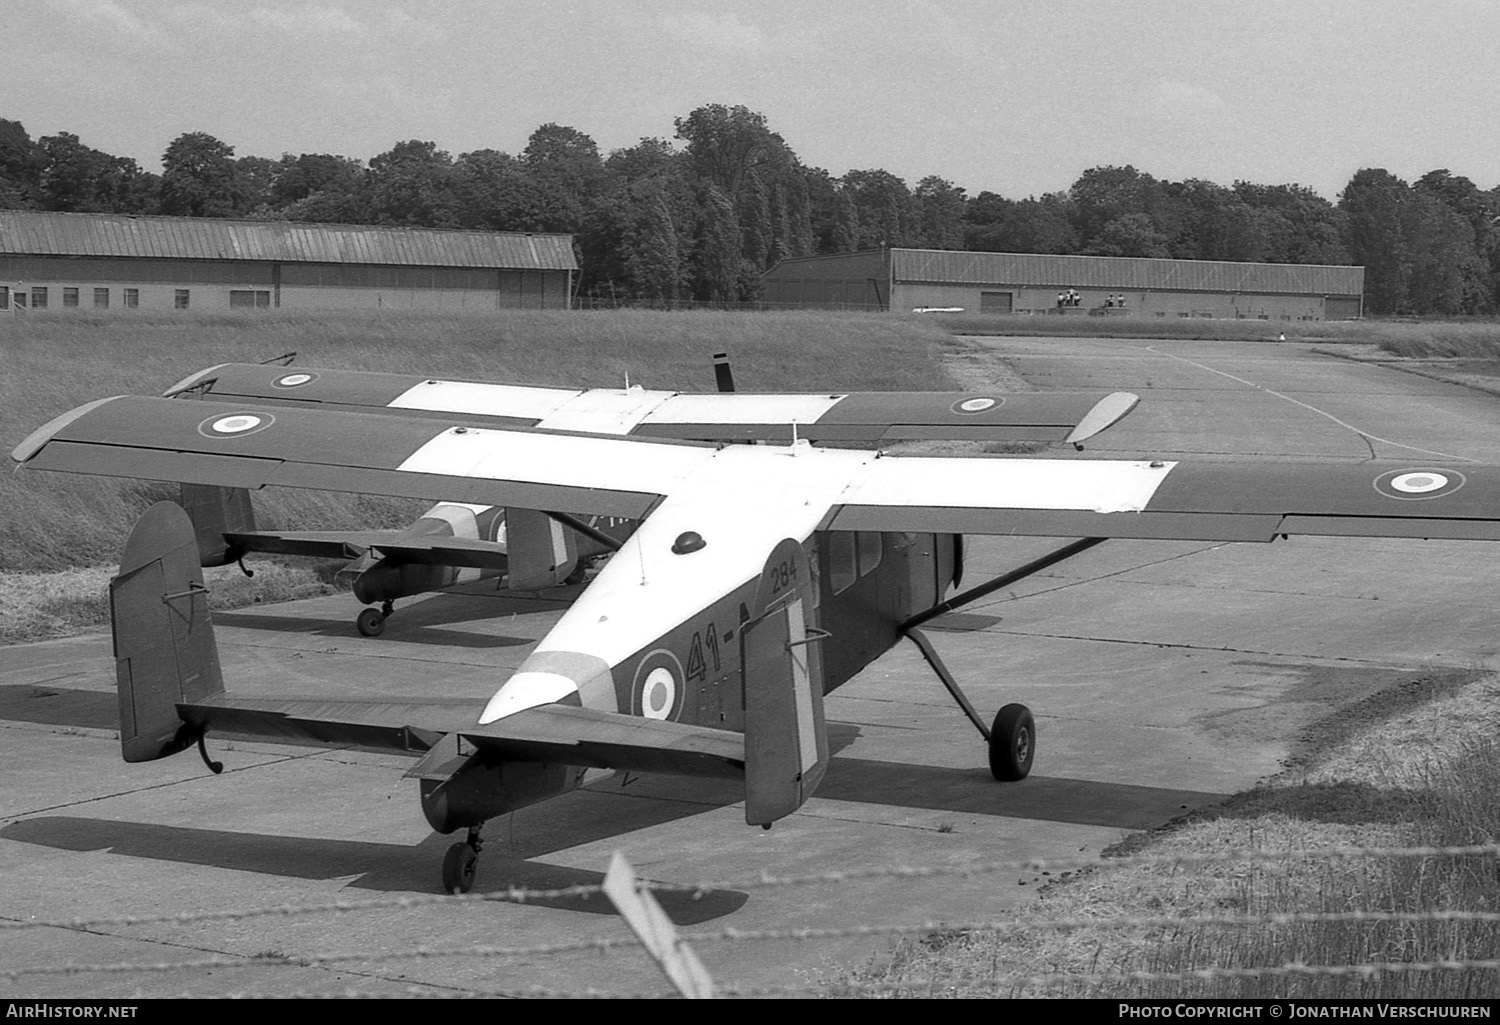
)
(455, 543)
(759, 579)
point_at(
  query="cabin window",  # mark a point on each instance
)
(852, 556)
(842, 568)
(868, 547)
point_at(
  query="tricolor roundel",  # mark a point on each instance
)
(979, 404)
(295, 380)
(1416, 484)
(657, 691)
(235, 425)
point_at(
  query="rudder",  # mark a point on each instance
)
(786, 739)
(164, 645)
(215, 512)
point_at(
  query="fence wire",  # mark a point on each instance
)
(1027, 921)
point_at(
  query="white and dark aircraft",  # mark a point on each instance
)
(759, 579)
(457, 543)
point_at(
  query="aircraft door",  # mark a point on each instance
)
(923, 569)
(786, 741)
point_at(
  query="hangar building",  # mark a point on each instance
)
(911, 279)
(56, 261)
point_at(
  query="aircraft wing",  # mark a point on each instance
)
(1223, 501)
(561, 734)
(197, 443)
(740, 416)
(167, 439)
(395, 545)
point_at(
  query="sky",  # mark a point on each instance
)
(1016, 97)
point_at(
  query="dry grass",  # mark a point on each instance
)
(1417, 773)
(39, 605)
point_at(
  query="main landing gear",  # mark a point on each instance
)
(461, 861)
(371, 623)
(1012, 735)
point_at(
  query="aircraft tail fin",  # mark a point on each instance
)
(723, 372)
(215, 512)
(165, 653)
(541, 551)
(786, 739)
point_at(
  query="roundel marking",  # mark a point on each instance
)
(235, 425)
(976, 405)
(657, 692)
(1409, 485)
(294, 380)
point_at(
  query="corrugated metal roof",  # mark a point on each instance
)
(937, 265)
(35, 233)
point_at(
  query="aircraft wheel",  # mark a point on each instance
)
(370, 623)
(1012, 743)
(459, 865)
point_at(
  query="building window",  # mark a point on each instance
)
(38, 297)
(247, 297)
(180, 299)
(101, 298)
(132, 298)
(4, 297)
(70, 297)
(20, 297)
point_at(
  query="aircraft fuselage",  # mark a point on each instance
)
(865, 586)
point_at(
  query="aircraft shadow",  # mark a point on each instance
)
(1343, 803)
(849, 778)
(59, 706)
(377, 866)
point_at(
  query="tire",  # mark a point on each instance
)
(459, 865)
(370, 623)
(1012, 744)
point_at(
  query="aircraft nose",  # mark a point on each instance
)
(549, 676)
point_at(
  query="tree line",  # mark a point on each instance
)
(699, 217)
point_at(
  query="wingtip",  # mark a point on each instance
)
(33, 442)
(1107, 412)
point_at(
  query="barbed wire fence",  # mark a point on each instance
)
(1031, 920)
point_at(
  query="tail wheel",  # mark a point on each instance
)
(459, 865)
(1012, 743)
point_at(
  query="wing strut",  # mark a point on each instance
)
(1012, 737)
(1004, 580)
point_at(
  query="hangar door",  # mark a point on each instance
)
(1341, 307)
(995, 302)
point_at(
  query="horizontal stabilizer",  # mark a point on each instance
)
(559, 734)
(398, 546)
